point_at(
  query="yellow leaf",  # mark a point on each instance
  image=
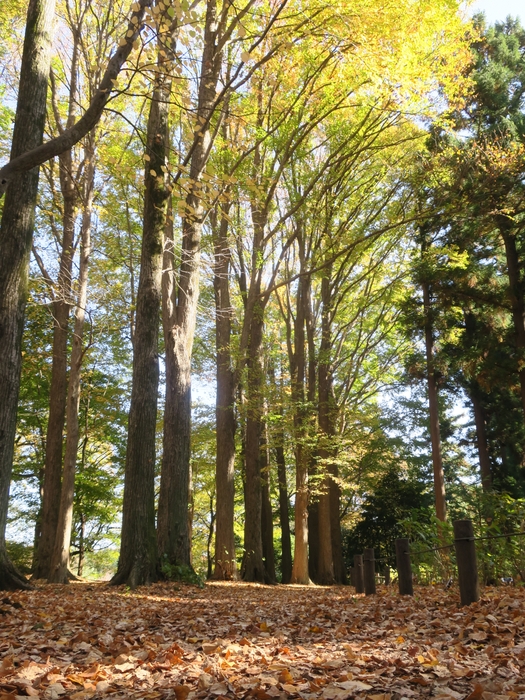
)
(285, 677)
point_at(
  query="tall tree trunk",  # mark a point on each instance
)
(481, 438)
(335, 524)
(300, 573)
(253, 566)
(16, 235)
(325, 574)
(517, 299)
(58, 572)
(251, 340)
(435, 437)
(266, 510)
(179, 322)
(81, 553)
(225, 564)
(138, 548)
(313, 531)
(284, 512)
(62, 303)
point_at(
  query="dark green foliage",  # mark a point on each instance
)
(21, 555)
(499, 75)
(393, 500)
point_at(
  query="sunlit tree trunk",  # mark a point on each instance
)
(252, 335)
(138, 550)
(325, 574)
(225, 564)
(300, 572)
(180, 318)
(253, 566)
(16, 235)
(284, 503)
(61, 306)
(60, 557)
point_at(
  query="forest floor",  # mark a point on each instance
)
(89, 641)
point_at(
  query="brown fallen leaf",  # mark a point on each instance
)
(418, 680)
(478, 636)
(182, 691)
(7, 667)
(285, 677)
(477, 693)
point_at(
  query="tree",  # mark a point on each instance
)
(60, 555)
(138, 561)
(16, 234)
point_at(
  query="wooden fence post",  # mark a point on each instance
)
(358, 574)
(466, 560)
(404, 569)
(369, 571)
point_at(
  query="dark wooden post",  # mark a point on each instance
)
(369, 571)
(387, 575)
(358, 574)
(467, 563)
(404, 569)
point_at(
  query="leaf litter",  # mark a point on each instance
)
(234, 640)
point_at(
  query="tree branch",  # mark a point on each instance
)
(66, 140)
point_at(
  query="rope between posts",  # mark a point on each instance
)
(458, 539)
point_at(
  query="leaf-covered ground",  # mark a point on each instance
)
(246, 641)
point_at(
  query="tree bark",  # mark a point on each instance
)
(251, 339)
(16, 235)
(335, 525)
(138, 549)
(325, 574)
(437, 462)
(300, 573)
(284, 513)
(266, 511)
(179, 319)
(253, 566)
(516, 296)
(62, 303)
(481, 439)
(225, 563)
(60, 558)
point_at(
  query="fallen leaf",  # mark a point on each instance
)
(182, 691)
(477, 693)
(6, 667)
